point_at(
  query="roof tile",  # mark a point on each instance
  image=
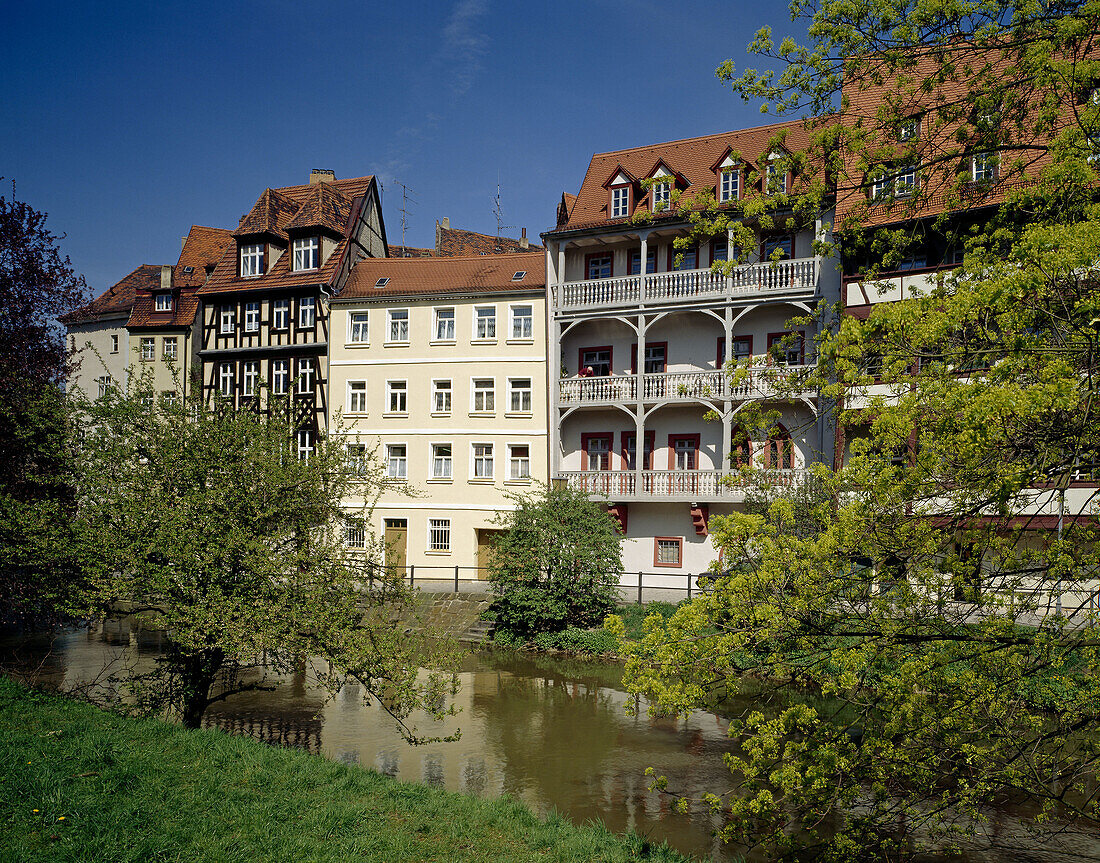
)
(447, 276)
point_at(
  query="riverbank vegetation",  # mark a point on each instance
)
(84, 785)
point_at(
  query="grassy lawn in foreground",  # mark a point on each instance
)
(82, 784)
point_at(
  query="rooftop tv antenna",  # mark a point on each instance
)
(499, 213)
(406, 197)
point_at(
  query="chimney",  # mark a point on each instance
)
(183, 242)
(321, 175)
(166, 277)
(523, 244)
(446, 223)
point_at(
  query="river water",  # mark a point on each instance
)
(554, 733)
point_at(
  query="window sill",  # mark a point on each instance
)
(441, 414)
(440, 480)
(355, 414)
(356, 344)
(483, 341)
(395, 344)
(519, 414)
(520, 341)
(669, 565)
(523, 481)
(482, 480)
(395, 480)
(401, 415)
(438, 553)
(483, 414)
(450, 342)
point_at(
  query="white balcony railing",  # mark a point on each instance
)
(672, 386)
(685, 485)
(797, 276)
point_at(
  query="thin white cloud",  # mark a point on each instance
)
(464, 44)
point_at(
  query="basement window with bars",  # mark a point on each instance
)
(439, 534)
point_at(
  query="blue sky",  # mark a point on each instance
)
(129, 125)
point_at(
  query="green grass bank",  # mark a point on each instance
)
(82, 784)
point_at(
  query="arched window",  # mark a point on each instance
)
(740, 448)
(780, 451)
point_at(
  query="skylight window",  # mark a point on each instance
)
(381, 283)
(189, 270)
(519, 276)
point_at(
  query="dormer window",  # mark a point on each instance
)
(775, 176)
(252, 260)
(620, 202)
(162, 302)
(662, 194)
(307, 253)
(729, 187)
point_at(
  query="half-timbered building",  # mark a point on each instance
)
(265, 322)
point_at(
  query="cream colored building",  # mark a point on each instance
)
(440, 363)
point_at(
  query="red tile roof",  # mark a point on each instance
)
(117, 299)
(283, 205)
(202, 249)
(694, 159)
(184, 307)
(446, 276)
(324, 208)
(452, 242)
(409, 252)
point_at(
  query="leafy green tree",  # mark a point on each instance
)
(210, 527)
(931, 629)
(556, 563)
(38, 575)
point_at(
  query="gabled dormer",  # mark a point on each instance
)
(622, 188)
(320, 223)
(664, 181)
(261, 238)
(728, 178)
(775, 175)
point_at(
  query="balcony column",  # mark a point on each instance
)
(644, 237)
(729, 278)
(639, 382)
(727, 412)
(553, 367)
(727, 441)
(639, 450)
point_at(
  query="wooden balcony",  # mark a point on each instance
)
(688, 486)
(692, 386)
(796, 277)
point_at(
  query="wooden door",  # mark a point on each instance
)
(485, 540)
(396, 538)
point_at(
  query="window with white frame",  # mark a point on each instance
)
(250, 377)
(620, 202)
(307, 253)
(148, 400)
(228, 319)
(357, 457)
(483, 461)
(168, 398)
(398, 325)
(355, 533)
(225, 379)
(357, 397)
(280, 376)
(114, 344)
(662, 194)
(444, 325)
(775, 177)
(397, 397)
(729, 189)
(441, 396)
(983, 167)
(305, 444)
(523, 322)
(358, 334)
(307, 313)
(104, 384)
(519, 461)
(252, 317)
(305, 376)
(397, 465)
(485, 322)
(484, 395)
(280, 314)
(909, 129)
(148, 348)
(163, 302)
(519, 395)
(439, 534)
(441, 461)
(252, 260)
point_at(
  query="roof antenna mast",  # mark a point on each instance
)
(499, 213)
(405, 198)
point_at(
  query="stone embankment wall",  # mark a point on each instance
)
(457, 615)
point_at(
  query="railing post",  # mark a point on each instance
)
(456, 578)
(689, 585)
(412, 575)
(639, 587)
